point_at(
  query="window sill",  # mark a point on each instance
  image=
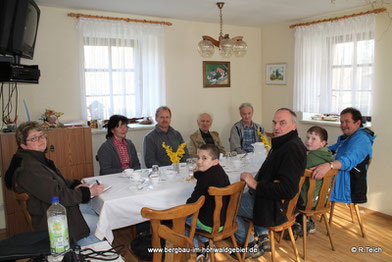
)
(306, 119)
(131, 127)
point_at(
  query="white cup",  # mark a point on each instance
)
(170, 174)
(135, 176)
(128, 172)
(237, 163)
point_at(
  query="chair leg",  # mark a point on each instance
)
(359, 219)
(293, 243)
(272, 239)
(236, 246)
(281, 236)
(331, 212)
(351, 205)
(328, 232)
(250, 230)
(304, 232)
(212, 254)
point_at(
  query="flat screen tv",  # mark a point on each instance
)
(18, 27)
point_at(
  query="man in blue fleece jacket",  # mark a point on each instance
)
(353, 151)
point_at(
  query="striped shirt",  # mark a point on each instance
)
(121, 147)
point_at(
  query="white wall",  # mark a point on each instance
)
(56, 54)
(278, 46)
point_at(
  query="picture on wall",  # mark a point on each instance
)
(216, 74)
(276, 74)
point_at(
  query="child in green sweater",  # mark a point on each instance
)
(316, 140)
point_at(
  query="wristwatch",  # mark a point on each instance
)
(331, 165)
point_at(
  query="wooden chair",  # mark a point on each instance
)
(234, 192)
(352, 206)
(280, 228)
(176, 235)
(22, 198)
(323, 205)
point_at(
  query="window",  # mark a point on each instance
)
(121, 69)
(334, 65)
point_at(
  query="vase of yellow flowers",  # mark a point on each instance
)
(175, 157)
(264, 140)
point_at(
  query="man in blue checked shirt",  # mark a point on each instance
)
(244, 133)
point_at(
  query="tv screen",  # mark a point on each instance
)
(18, 31)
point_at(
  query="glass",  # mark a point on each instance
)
(191, 164)
(155, 170)
(36, 138)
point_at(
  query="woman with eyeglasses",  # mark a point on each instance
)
(117, 153)
(32, 173)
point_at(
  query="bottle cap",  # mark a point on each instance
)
(55, 199)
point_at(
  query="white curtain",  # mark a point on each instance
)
(333, 66)
(121, 68)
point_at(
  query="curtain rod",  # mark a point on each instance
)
(120, 19)
(375, 11)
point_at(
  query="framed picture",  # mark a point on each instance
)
(216, 74)
(276, 74)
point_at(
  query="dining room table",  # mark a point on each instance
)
(120, 206)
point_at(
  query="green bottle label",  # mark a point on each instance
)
(58, 234)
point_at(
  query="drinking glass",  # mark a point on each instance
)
(191, 164)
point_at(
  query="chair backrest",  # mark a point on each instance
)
(292, 203)
(22, 198)
(178, 217)
(323, 199)
(234, 192)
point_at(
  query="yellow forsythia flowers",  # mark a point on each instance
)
(264, 139)
(174, 157)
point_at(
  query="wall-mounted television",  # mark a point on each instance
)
(18, 27)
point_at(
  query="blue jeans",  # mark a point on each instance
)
(201, 238)
(91, 219)
(246, 210)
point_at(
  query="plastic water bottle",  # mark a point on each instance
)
(58, 229)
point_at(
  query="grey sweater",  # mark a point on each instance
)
(237, 134)
(154, 153)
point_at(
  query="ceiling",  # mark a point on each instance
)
(235, 12)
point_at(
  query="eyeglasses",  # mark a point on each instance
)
(36, 138)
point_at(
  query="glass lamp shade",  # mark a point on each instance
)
(206, 48)
(226, 47)
(240, 48)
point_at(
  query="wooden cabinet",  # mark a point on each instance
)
(71, 151)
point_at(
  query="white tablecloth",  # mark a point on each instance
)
(120, 206)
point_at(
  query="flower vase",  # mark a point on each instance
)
(176, 167)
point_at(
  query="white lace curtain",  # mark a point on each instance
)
(121, 68)
(333, 66)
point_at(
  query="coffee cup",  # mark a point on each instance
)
(127, 172)
(135, 176)
(237, 163)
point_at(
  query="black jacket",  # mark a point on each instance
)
(286, 163)
(32, 173)
(214, 176)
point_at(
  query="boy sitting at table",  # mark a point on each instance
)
(208, 173)
(318, 153)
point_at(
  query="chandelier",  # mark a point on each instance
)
(227, 46)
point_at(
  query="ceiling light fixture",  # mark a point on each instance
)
(227, 46)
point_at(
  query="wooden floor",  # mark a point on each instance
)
(346, 236)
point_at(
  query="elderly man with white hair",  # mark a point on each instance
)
(204, 135)
(245, 132)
